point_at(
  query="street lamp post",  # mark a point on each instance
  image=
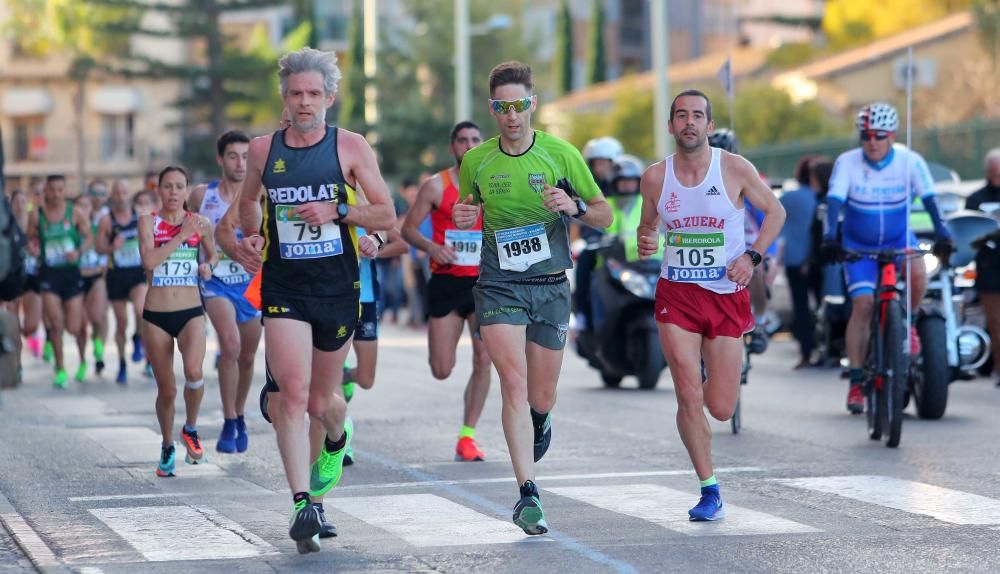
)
(371, 59)
(661, 66)
(463, 81)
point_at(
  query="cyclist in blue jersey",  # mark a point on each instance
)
(872, 185)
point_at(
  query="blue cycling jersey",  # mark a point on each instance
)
(876, 194)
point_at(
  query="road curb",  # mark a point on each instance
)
(40, 555)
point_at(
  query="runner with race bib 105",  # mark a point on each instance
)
(528, 185)
(702, 304)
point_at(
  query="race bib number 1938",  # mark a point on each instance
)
(521, 247)
(695, 257)
(299, 240)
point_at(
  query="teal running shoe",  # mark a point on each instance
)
(167, 465)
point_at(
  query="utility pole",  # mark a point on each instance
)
(371, 59)
(659, 30)
(462, 76)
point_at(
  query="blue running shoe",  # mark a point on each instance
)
(122, 377)
(709, 507)
(242, 439)
(227, 438)
(138, 353)
(166, 466)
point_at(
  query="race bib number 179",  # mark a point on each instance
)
(178, 270)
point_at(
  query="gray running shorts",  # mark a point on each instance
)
(540, 303)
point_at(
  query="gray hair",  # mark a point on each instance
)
(991, 156)
(309, 60)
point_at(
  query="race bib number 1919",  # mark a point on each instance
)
(695, 257)
(466, 245)
(299, 240)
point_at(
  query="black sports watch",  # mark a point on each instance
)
(581, 208)
(755, 257)
(341, 211)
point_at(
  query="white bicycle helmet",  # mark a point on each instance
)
(603, 148)
(878, 116)
(628, 166)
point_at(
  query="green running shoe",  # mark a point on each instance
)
(349, 391)
(98, 350)
(349, 455)
(47, 352)
(327, 469)
(61, 376)
(529, 516)
(81, 373)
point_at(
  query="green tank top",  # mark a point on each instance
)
(58, 238)
(521, 238)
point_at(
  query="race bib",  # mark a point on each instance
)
(695, 257)
(179, 270)
(30, 265)
(90, 260)
(230, 272)
(521, 247)
(56, 250)
(128, 255)
(299, 240)
(466, 245)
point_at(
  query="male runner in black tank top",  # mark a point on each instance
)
(309, 283)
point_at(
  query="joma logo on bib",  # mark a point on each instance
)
(304, 194)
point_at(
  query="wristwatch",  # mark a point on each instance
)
(755, 257)
(378, 240)
(341, 211)
(581, 208)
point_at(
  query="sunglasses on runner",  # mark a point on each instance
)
(503, 107)
(877, 134)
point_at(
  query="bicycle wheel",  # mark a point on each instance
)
(894, 385)
(874, 408)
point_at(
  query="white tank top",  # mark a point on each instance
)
(212, 205)
(704, 230)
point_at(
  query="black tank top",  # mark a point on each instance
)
(127, 257)
(300, 259)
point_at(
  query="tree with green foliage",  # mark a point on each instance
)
(351, 93)
(304, 12)
(565, 54)
(850, 23)
(598, 62)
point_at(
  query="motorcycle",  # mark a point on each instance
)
(953, 343)
(625, 341)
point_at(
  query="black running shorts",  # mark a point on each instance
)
(62, 281)
(332, 320)
(447, 293)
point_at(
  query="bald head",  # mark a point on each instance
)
(992, 165)
(119, 197)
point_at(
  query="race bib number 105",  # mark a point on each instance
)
(299, 240)
(695, 257)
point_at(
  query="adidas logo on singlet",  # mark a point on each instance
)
(712, 191)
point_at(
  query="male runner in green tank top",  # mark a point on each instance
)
(58, 234)
(528, 184)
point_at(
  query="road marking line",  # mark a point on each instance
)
(429, 520)
(33, 547)
(125, 497)
(638, 474)
(667, 507)
(133, 445)
(944, 504)
(168, 533)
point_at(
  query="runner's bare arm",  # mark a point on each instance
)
(394, 244)
(103, 240)
(429, 195)
(249, 197)
(83, 227)
(649, 225)
(196, 197)
(208, 248)
(761, 196)
(34, 247)
(362, 167)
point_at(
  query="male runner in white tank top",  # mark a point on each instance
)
(702, 304)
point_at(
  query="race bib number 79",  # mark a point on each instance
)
(299, 240)
(695, 257)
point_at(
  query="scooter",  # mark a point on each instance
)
(952, 345)
(625, 341)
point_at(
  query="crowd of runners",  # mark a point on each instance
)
(283, 246)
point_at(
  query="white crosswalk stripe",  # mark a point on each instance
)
(944, 504)
(667, 507)
(167, 533)
(429, 520)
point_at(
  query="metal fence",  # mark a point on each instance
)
(961, 147)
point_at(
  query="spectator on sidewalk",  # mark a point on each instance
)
(800, 205)
(987, 200)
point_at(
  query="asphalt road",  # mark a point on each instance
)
(806, 490)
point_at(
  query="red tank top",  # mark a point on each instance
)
(163, 232)
(467, 243)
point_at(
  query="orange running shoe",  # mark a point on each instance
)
(467, 450)
(193, 444)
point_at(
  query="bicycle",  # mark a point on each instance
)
(737, 419)
(886, 368)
